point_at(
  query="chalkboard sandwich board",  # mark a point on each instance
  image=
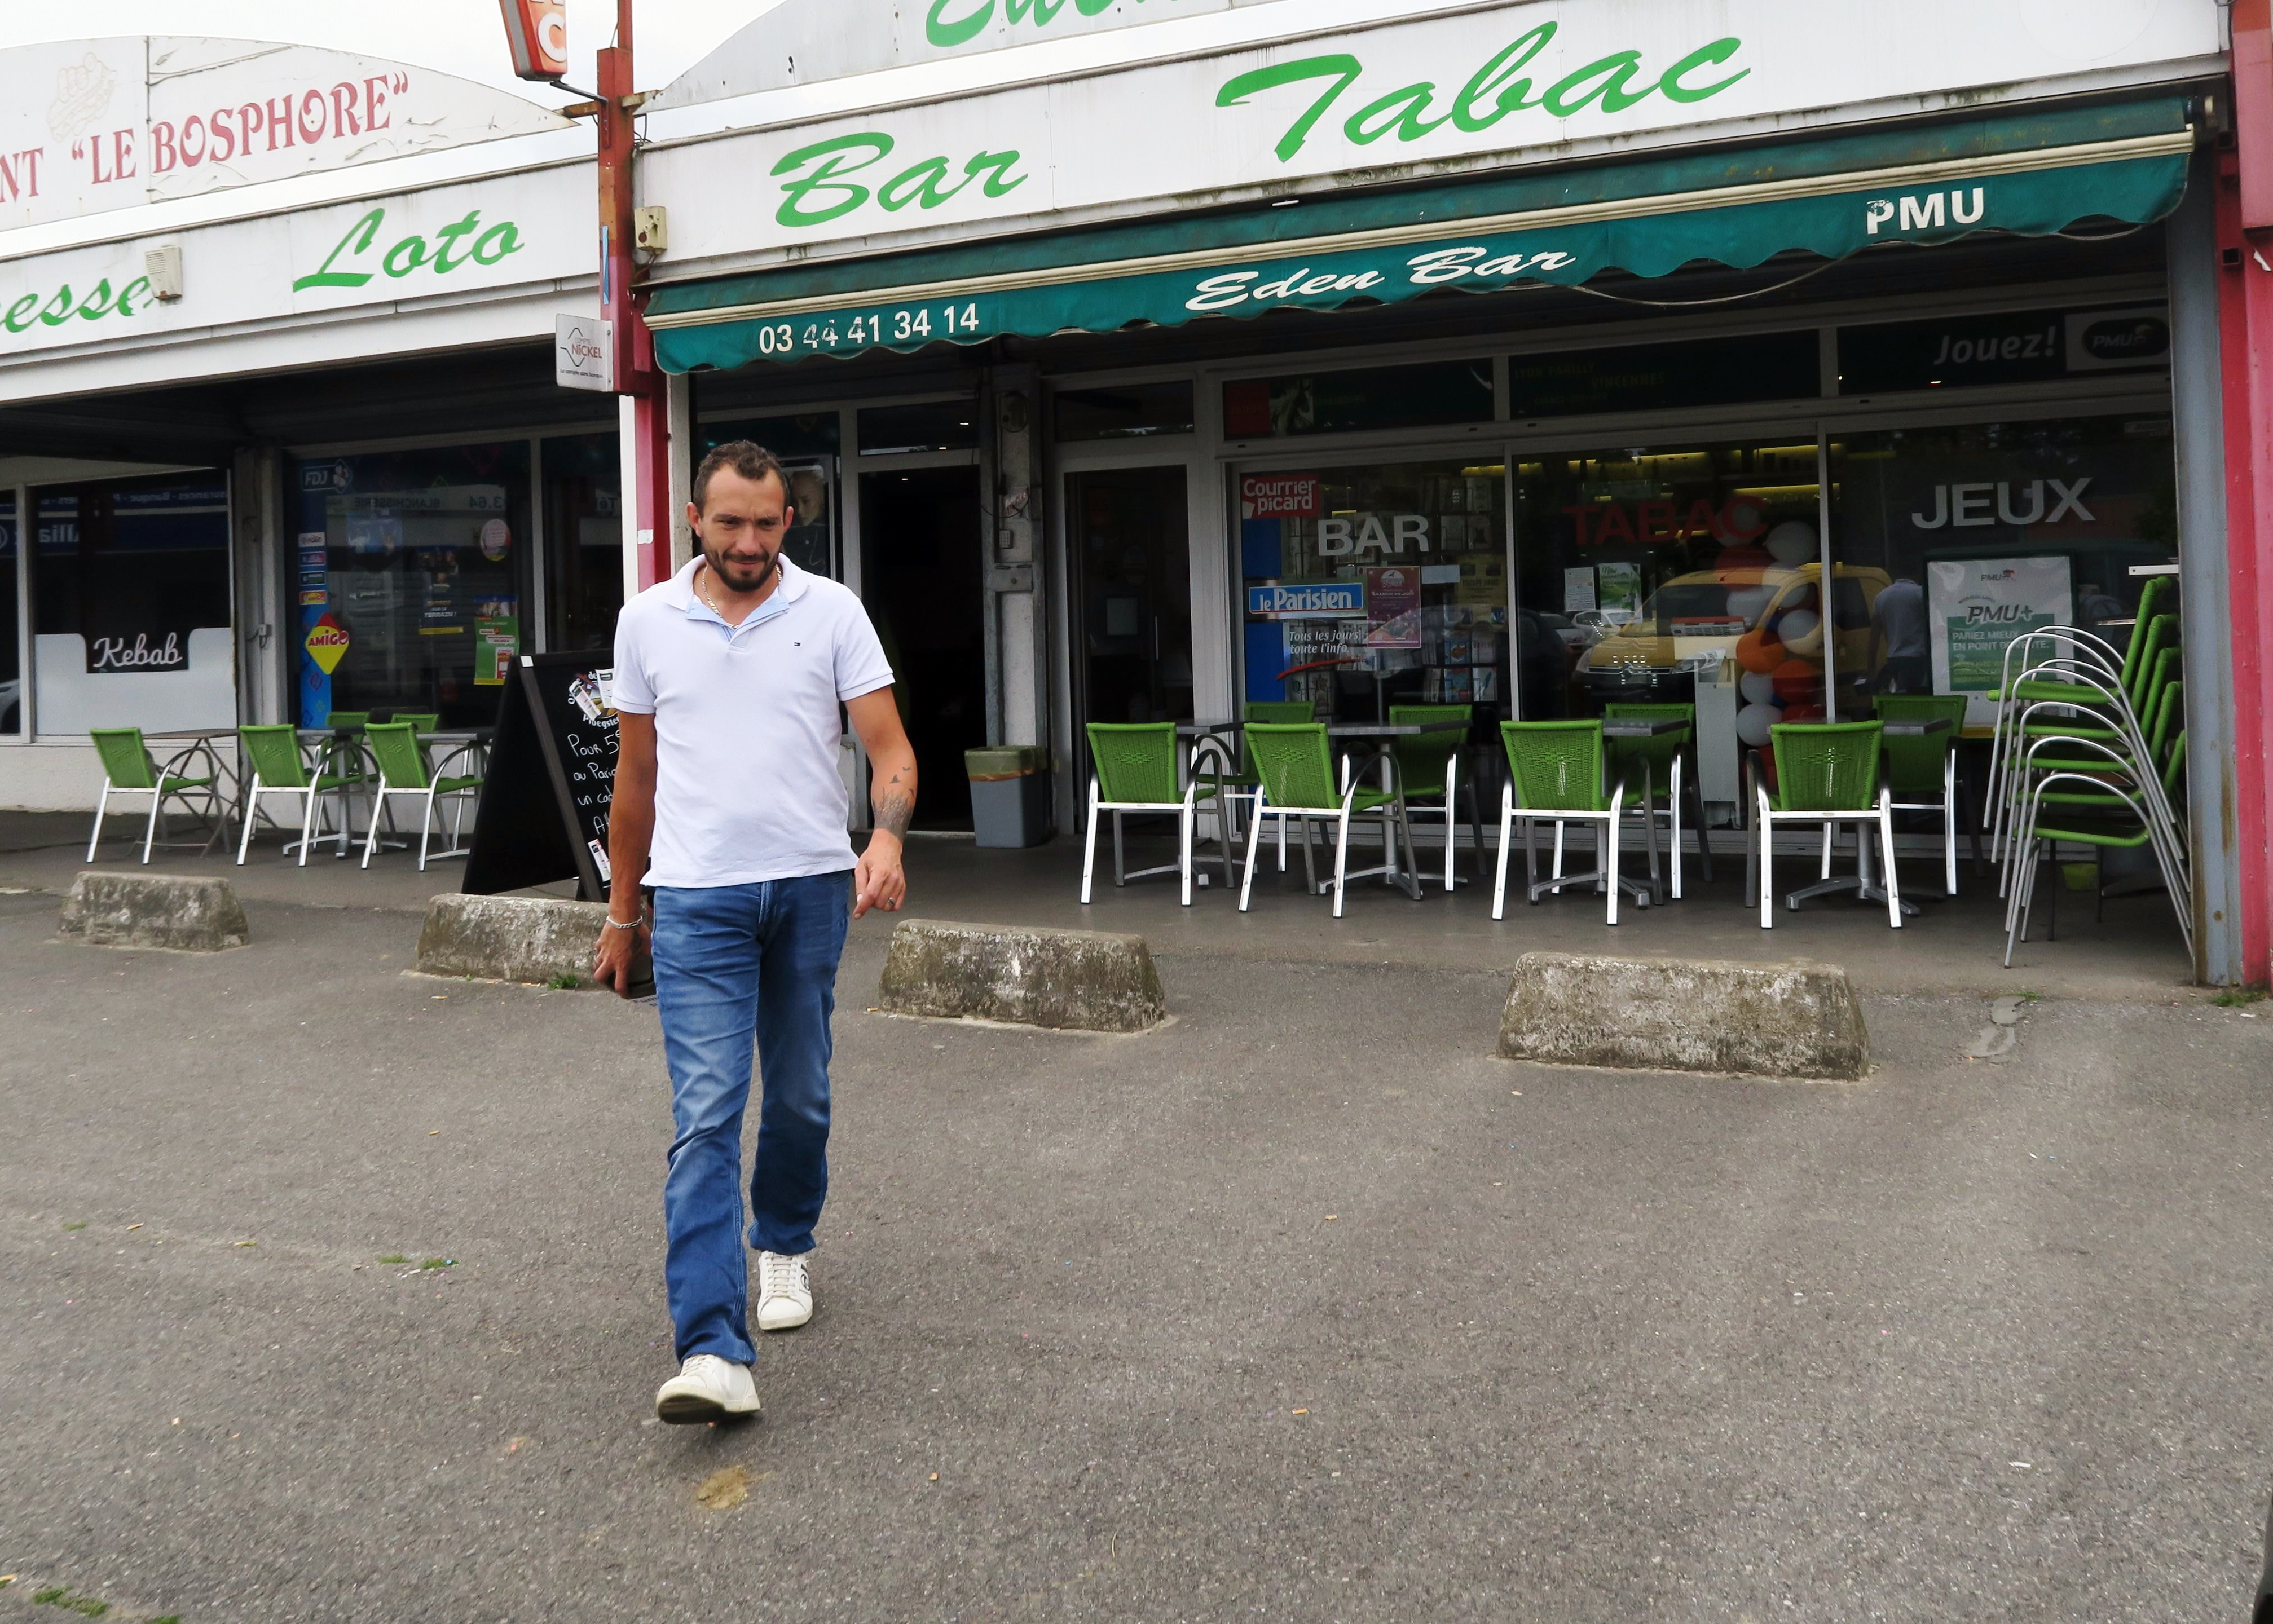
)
(544, 810)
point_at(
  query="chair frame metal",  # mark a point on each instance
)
(425, 793)
(216, 807)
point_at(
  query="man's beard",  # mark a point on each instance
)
(732, 581)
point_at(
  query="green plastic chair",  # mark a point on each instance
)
(1556, 775)
(425, 720)
(1134, 769)
(1429, 767)
(402, 771)
(1296, 763)
(1926, 766)
(129, 768)
(1827, 773)
(279, 767)
(2149, 643)
(1244, 784)
(1659, 765)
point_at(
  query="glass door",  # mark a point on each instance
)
(1128, 527)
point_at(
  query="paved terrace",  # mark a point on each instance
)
(1953, 946)
(1304, 1307)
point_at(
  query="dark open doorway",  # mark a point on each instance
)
(922, 559)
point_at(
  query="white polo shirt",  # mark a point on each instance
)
(747, 733)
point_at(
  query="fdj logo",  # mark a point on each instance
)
(1935, 211)
(452, 246)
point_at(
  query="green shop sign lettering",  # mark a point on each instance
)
(1499, 87)
(815, 193)
(454, 246)
(56, 309)
(969, 16)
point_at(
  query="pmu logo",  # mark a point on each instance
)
(2127, 340)
(1936, 211)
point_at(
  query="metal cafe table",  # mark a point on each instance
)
(1405, 878)
(336, 740)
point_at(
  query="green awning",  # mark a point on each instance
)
(2029, 176)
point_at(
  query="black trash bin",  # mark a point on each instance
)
(1009, 794)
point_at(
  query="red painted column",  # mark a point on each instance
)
(648, 503)
(2244, 237)
(650, 498)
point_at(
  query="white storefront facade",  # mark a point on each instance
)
(1143, 361)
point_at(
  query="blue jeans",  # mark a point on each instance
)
(735, 964)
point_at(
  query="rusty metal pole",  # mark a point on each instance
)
(647, 502)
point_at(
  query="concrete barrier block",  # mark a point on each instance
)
(187, 913)
(1789, 1020)
(532, 939)
(1090, 981)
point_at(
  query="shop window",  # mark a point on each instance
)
(2019, 346)
(1967, 536)
(933, 425)
(410, 571)
(131, 605)
(1377, 584)
(1765, 366)
(584, 538)
(1123, 412)
(1690, 575)
(807, 449)
(811, 434)
(11, 659)
(1402, 397)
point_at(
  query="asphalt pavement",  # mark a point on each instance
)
(334, 1292)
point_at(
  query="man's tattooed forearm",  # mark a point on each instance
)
(894, 807)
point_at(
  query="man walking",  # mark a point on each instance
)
(727, 800)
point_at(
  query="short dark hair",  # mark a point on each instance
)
(747, 457)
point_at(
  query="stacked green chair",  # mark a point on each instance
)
(1922, 769)
(278, 767)
(1826, 773)
(1296, 763)
(2077, 699)
(2114, 809)
(1428, 768)
(129, 768)
(403, 771)
(1659, 765)
(2065, 681)
(1134, 770)
(1556, 775)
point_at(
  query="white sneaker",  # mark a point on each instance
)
(785, 1291)
(707, 1389)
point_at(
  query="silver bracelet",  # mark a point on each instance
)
(618, 925)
